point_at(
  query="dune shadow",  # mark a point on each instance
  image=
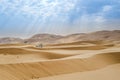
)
(44, 55)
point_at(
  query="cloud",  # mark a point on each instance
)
(107, 8)
(39, 8)
(53, 11)
(98, 20)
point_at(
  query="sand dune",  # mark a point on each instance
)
(26, 53)
(59, 61)
(26, 71)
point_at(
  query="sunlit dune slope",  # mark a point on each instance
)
(108, 73)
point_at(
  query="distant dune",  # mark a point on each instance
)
(94, 36)
(56, 39)
(10, 40)
(43, 38)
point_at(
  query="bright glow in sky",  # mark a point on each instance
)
(23, 18)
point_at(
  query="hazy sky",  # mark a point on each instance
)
(23, 18)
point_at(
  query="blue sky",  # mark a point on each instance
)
(23, 18)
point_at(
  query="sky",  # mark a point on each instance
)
(23, 18)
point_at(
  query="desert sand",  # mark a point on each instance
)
(108, 73)
(87, 60)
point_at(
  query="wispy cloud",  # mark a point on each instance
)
(107, 8)
(42, 8)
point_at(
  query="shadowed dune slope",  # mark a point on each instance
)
(6, 45)
(72, 48)
(20, 51)
(97, 46)
(79, 43)
(26, 71)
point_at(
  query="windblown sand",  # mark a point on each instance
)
(73, 61)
